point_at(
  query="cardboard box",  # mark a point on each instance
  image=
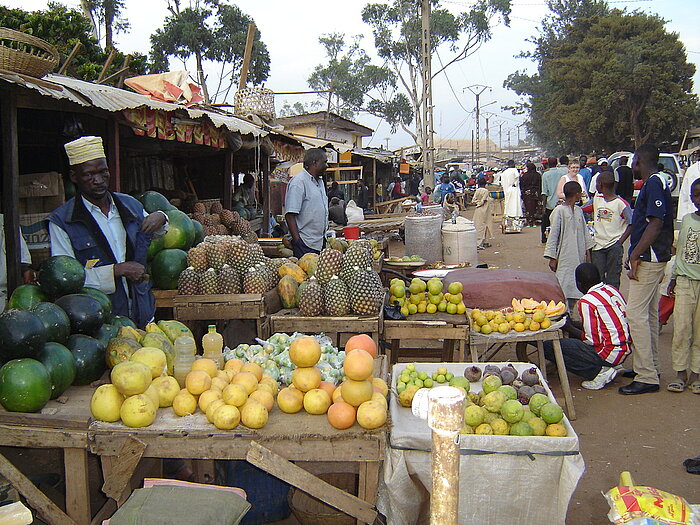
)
(34, 230)
(40, 192)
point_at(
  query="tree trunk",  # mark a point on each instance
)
(109, 10)
(200, 77)
(85, 7)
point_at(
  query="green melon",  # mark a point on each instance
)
(198, 232)
(157, 244)
(89, 356)
(103, 299)
(22, 334)
(60, 364)
(154, 201)
(61, 275)
(120, 320)
(25, 385)
(25, 296)
(84, 311)
(181, 231)
(166, 268)
(55, 321)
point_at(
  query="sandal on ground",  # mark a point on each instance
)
(695, 387)
(679, 386)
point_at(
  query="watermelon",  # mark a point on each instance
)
(180, 233)
(55, 321)
(104, 300)
(166, 267)
(106, 332)
(154, 201)
(60, 364)
(198, 232)
(84, 311)
(61, 275)
(25, 385)
(89, 356)
(120, 320)
(157, 244)
(25, 296)
(22, 334)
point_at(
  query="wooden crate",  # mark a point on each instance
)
(421, 334)
(338, 328)
(164, 298)
(224, 306)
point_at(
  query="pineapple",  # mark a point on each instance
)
(229, 280)
(199, 207)
(251, 237)
(268, 275)
(356, 255)
(366, 292)
(330, 263)
(226, 217)
(311, 299)
(239, 256)
(336, 297)
(189, 282)
(257, 255)
(216, 207)
(254, 281)
(197, 258)
(210, 282)
(199, 217)
(216, 254)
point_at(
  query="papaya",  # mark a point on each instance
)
(292, 270)
(160, 340)
(305, 262)
(287, 289)
(153, 328)
(130, 333)
(120, 349)
(173, 329)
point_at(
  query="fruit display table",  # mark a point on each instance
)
(503, 479)
(411, 337)
(164, 298)
(337, 328)
(67, 425)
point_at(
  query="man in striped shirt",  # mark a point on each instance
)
(602, 340)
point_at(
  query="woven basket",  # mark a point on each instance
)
(310, 511)
(257, 100)
(26, 54)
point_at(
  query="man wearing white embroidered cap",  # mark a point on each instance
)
(107, 232)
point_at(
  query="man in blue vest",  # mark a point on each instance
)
(107, 232)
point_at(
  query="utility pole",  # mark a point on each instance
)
(487, 116)
(472, 166)
(387, 142)
(500, 135)
(477, 89)
(518, 126)
(509, 148)
(426, 71)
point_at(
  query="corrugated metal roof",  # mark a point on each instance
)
(381, 155)
(114, 99)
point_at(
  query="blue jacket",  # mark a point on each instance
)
(89, 243)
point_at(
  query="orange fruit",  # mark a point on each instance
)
(263, 397)
(247, 379)
(305, 352)
(306, 378)
(290, 400)
(341, 415)
(197, 381)
(328, 387)
(380, 386)
(235, 395)
(371, 415)
(234, 365)
(317, 401)
(207, 397)
(361, 342)
(356, 392)
(359, 365)
(254, 369)
(254, 415)
(184, 404)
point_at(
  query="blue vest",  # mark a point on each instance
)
(89, 243)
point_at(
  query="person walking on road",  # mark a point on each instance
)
(650, 250)
(550, 179)
(510, 180)
(530, 185)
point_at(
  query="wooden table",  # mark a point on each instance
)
(418, 331)
(492, 345)
(338, 328)
(300, 437)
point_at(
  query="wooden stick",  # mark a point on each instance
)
(108, 63)
(243, 78)
(76, 49)
(113, 75)
(46, 508)
(123, 467)
(279, 467)
(445, 418)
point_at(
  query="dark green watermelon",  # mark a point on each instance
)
(22, 334)
(84, 311)
(198, 232)
(157, 244)
(61, 275)
(120, 320)
(55, 321)
(106, 332)
(60, 364)
(25, 296)
(154, 201)
(89, 356)
(25, 385)
(166, 267)
(104, 300)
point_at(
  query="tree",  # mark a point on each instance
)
(107, 14)
(348, 77)
(397, 37)
(606, 80)
(210, 30)
(63, 28)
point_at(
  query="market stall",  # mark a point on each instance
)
(504, 479)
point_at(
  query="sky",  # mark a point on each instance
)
(291, 28)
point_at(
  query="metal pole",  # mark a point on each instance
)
(472, 149)
(500, 136)
(445, 419)
(427, 145)
(477, 89)
(488, 146)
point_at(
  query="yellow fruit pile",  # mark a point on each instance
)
(139, 387)
(240, 393)
(530, 306)
(421, 297)
(490, 321)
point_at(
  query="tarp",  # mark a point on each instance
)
(503, 479)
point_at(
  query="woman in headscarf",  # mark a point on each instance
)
(530, 185)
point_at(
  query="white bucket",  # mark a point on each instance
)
(459, 242)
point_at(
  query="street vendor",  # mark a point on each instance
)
(245, 194)
(107, 232)
(601, 341)
(306, 205)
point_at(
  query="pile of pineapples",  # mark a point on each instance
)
(220, 221)
(338, 284)
(226, 264)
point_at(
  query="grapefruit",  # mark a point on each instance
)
(137, 411)
(317, 401)
(358, 365)
(105, 403)
(356, 392)
(306, 378)
(361, 342)
(371, 415)
(305, 352)
(131, 377)
(341, 415)
(290, 400)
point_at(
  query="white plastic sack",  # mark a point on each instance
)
(354, 213)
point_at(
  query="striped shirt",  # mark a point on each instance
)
(603, 312)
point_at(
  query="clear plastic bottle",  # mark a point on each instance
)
(185, 349)
(213, 346)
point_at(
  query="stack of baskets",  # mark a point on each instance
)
(258, 101)
(26, 54)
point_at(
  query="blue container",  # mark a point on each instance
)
(267, 494)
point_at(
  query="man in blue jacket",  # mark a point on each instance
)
(107, 232)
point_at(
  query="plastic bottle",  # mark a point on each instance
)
(185, 350)
(213, 346)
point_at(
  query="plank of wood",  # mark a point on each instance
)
(123, 468)
(61, 421)
(77, 485)
(47, 509)
(279, 467)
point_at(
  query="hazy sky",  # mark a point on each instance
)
(290, 29)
